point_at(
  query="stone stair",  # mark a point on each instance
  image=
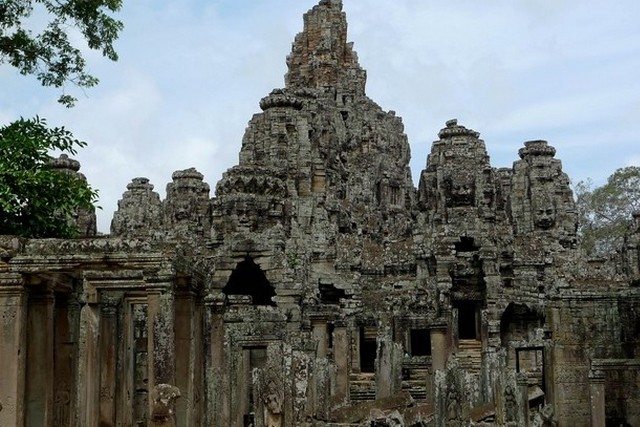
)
(415, 383)
(362, 387)
(470, 355)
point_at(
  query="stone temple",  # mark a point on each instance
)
(319, 287)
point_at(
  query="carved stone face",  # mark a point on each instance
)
(461, 190)
(183, 209)
(544, 215)
(244, 214)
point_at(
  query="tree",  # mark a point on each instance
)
(50, 54)
(37, 200)
(606, 212)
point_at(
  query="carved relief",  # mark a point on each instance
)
(273, 399)
(164, 397)
(510, 404)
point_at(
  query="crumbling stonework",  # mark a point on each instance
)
(319, 287)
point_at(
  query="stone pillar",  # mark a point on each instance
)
(384, 370)
(108, 351)
(217, 371)
(355, 351)
(320, 338)
(88, 383)
(341, 352)
(523, 387)
(439, 347)
(13, 314)
(65, 342)
(161, 343)
(597, 394)
(189, 352)
(40, 368)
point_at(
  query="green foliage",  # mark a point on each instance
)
(35, 199)
(605, 212)
(50, 54)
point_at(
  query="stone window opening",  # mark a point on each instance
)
(420, 342)
(368, 349)
(249, 279)
(466, 244)
(329, 294)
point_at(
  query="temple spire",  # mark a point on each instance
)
(321, 55)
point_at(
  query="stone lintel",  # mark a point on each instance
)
(596, 376)
(11, 285)
(439, 326)
(598, 365)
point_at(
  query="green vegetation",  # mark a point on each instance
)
(37, 200)
(605, 212)
(50, 54)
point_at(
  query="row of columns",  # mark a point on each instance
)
(96, 397)
(38, 385)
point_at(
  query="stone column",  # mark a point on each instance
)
(13, 314)
(492, 361)
(355, 351)
(217, 385)
(439, 347)
(65, 342)
(597, 395)
(439, 355)
(108, 351)
(161, 343)
(189, 361)
(523, 387)
(40, 368)
(383, 368)
(88, 383)
(320, 337)
(341, 352)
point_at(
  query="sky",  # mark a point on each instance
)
(191, 74)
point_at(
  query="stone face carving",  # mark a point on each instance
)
(187, 208)
(541, 198)
(544, 213)
(139, 212)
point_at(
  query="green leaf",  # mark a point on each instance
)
(35, 199)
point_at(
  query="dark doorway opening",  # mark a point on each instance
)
(420, 342)
(466, 244)
(467, 320)
(368, 348)
(249, 279)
